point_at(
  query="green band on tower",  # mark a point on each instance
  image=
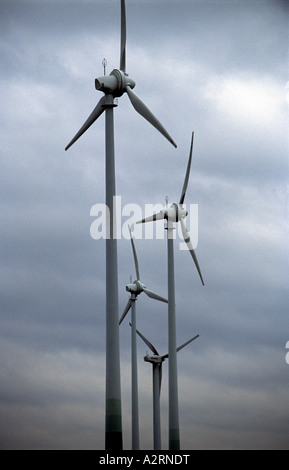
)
(113, 426)
(174, 439)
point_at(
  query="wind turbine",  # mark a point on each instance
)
(157, 362)
(114, 86)
(175, 213)
(135, 290)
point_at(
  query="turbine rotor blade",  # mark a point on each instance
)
(142, 109)
(126, 310)
(187, 342)
(187, 239)
(123, 38)
(98, 110)
(134, 255)
(146, 341)
(183, 346)
(154, 296)
(187, 177)
(153, 218)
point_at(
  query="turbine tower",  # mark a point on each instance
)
(135, 290)
(114, 86)
(157, 362)
(175, 213)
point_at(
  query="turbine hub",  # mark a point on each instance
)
(175, 213)
(114, 84)
(140, 287)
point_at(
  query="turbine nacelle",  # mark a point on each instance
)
(116, 83)
(175, 213)
(154, 359)
(136, 288)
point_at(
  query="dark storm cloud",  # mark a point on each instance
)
(219, 68)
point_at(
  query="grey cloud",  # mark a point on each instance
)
(219, 69)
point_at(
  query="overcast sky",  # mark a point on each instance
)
(219, 68)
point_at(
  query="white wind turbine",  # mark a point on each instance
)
(114, 86)
(173, 214)
(135, 290)
(157, 362)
